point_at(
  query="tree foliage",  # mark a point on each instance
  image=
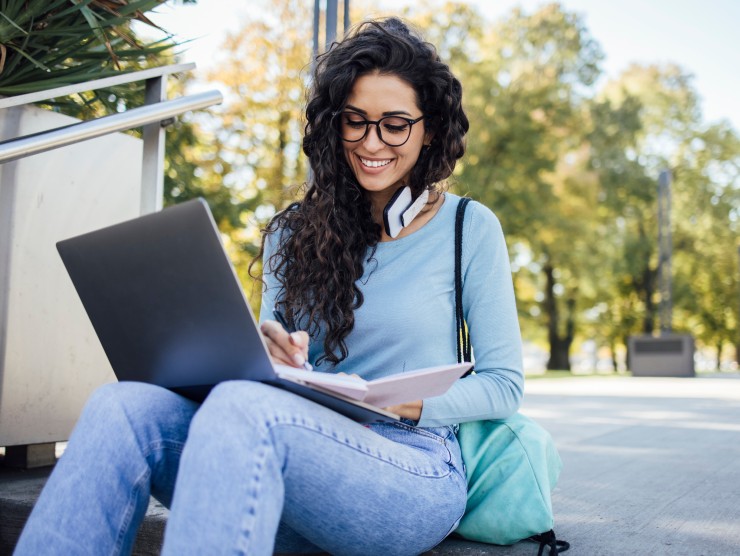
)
(51, 43)
(245, 157)
(569, 164)
(570, 168)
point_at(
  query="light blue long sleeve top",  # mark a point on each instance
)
(407, 320)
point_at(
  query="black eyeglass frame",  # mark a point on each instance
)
(376, 123)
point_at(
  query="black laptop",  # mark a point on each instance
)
(168, 308)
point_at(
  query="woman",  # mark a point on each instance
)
(255, 469)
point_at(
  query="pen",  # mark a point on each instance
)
(289, 329)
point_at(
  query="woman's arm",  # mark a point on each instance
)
(495, 390)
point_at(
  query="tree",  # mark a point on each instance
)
(266, 73)
(251, 164)
(667, 112)
(525, 97)
(646, 120)
(627, 217)
(706, 285)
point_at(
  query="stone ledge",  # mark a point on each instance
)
(19, 490)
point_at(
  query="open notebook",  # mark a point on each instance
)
(382, 392)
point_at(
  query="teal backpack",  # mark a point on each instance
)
(511, 464)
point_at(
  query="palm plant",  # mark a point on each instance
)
(52, 43)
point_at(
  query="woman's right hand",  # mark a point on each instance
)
(285, 348)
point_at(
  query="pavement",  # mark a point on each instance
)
(651, 467)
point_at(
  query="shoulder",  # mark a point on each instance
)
(483, 242)
(480, 221)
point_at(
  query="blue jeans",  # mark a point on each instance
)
(253, 470)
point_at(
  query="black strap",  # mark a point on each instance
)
(463, 337)
(547, 539)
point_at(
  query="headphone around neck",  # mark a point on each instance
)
(401, 210)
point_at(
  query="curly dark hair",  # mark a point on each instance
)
(324, 240)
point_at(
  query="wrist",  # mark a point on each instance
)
(408, 411)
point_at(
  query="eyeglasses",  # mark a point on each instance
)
(394, 131)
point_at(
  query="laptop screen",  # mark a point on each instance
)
(165, 301)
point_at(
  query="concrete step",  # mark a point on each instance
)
(19, 490)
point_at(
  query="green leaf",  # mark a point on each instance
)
(29, 58)
(13, 23)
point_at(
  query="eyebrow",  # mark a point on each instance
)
(364, 112)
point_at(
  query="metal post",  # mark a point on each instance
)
(665, 251)
(329, 36)
(316, 23)
(331, 22)
(331, 13)
(152, 168)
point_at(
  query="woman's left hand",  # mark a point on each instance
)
(409, 410)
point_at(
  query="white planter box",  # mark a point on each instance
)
(50, 357)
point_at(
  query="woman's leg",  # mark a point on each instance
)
(290, 543)
(126, 444)
(257, 455)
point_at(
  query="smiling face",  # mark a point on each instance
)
(379, 168)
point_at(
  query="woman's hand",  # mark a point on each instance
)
(287, 349)
(410, 410)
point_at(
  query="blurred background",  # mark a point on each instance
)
(575, 108)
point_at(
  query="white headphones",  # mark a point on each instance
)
(401, 210)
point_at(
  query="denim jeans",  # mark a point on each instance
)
(253, 470)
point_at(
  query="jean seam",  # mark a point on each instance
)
(433, 436)
(162, 444)
(380, 457)
(246, 538)
(419, 431)
(145, 452)
(125, 524)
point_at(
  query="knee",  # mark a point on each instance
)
(240, 395)
(240, 400)
(121, 394)
(111, 411)
(132, 402)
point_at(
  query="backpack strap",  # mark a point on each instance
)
(464, 353)
(547, 539)
(463, 336)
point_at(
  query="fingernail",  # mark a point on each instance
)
(299, 360)
(295, 338)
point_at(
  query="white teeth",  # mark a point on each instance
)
(375, 163)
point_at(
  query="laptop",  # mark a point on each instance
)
(168, 308)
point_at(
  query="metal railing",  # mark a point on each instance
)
(21, 257)
(156, 110)
(46, 140)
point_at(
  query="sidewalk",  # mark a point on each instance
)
(651, 467)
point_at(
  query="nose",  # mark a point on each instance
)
(372, 142)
